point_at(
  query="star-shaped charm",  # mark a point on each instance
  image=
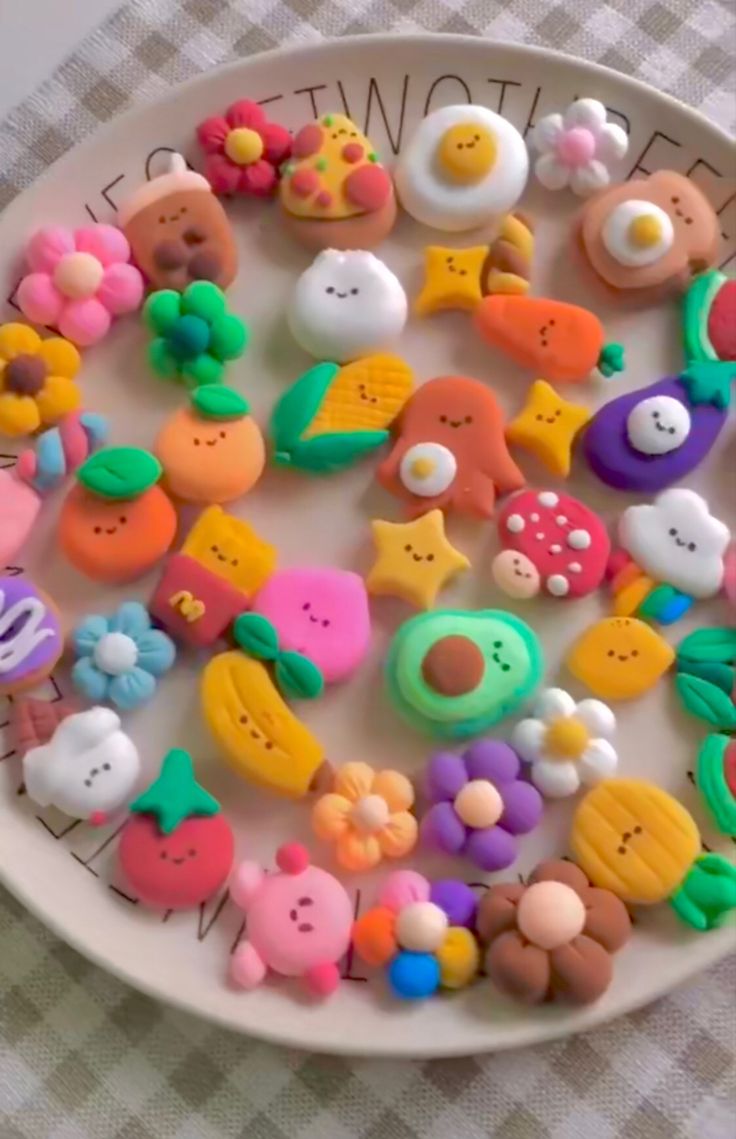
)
(452, 279)
(415, 559)
(175, 795)
(547, 425)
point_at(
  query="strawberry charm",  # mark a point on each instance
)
(176, 850)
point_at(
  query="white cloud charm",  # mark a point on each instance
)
(567, 744)
(576, 149)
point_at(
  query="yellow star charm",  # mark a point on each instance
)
(452, 279)
(547, 425)
(415, 559)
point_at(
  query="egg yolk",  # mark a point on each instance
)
(467, 152)
(422, 468)
(645, 231)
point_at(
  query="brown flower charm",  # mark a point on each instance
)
(553, 937)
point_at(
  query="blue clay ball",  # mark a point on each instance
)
(413, 976)
(189, 337)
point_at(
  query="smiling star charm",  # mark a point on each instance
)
(415, 560)
(547, 426)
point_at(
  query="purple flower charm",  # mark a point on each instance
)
(479, 804)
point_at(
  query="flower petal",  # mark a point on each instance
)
(18, 339)
(546, 133)
(527, 739)
(131, 618)
(374, 937)
(497, 909)
(357, 852)
(39, 299)
(612, 143)
(204, 299)
(560, 870)
(245, 113)
(598, 761)
(552, 173)
(589, 113)
(553, 703)
(85, 321)
(121, 290)
(402, 887)
(130, 689)
(494, 760)
(399, 836)
(61, 357)
(204, 370)
(162, 310)
(555, 780)
(105, 242)
(589, 179)
(491, 848)
(57, 398)
(395, 788)
(597, 717)
(354, 780)
(228, 337)
(458, 957)
(222, 174)
(517, 968)
(442, 829)
(581, 971)
(88, 680)
(331, 816)
(607, 920)
(88, 632)
(47, 246)
(18, 415)
(522, 807)
(211, 134)
(276, 142)
(445, 775)
(258, 179)
(156, 651)
(162, 359)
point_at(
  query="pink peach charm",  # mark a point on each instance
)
(79, 280)
(299, 922)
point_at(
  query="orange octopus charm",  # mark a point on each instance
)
(450, 450)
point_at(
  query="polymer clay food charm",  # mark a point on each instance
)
(37, 387)
(120, 658)
(178, 230)
(421, 933)
(650, 235)
(715, 779)
(632, 838)
(552, 937)
(194, 334)
(213, 450)
(177, 848)
(479, 804)
(576, 149)
(243, 150)
(332, 416)
(79, 280)
(619, 658)
(367, 815)
(560, 341)
(672, 553)
(705, 676)
(460, 278)
(258, 735)
(88, 768)
(547, 427)
(334, 193)
(455, 673)
(347, 304)
(212, 579)
(552, 543)
(464, 167)
(295, 674)
(298, 922)
(321, 613)
(449, 451)
(414, 560)
(116, 523)
(709, 320)
(31, 638)
(567, 744)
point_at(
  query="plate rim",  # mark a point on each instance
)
(543, 1031)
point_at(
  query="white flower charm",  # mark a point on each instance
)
(577, 148)
(566, 743)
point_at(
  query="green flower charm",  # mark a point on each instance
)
(194, 334)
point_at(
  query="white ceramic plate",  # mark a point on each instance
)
(65, 873)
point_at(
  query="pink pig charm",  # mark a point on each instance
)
(299, 922)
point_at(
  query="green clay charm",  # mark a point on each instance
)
(706, 676)
(715, 778)
(295, 674)
(194, 334)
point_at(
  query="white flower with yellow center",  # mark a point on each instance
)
(567, 744)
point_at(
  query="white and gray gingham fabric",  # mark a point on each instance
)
(84, 1057)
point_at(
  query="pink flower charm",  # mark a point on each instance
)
(243, 150)
(577, 148)
(79, 280)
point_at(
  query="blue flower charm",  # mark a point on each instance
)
(120, 657)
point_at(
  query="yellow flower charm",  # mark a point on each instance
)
(37, 386)
(367, 815)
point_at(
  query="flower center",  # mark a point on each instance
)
(421, 927)
(78, 275)
(189, 337)
(370, 813)
(576, 146)
(25, 375)
(115, 653)
(566, 738)
(478, 804)
(243, 146)
(550, 914)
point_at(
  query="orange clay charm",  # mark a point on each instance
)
(115, 524)
(556, 340)
(213, 451)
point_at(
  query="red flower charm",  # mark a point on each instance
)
(244, 151)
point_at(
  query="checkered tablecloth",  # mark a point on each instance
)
(84, 1057)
